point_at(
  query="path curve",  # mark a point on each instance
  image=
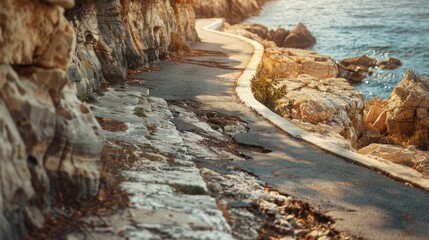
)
(361, 201)
(244, 92)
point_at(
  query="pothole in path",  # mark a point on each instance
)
(212, 129)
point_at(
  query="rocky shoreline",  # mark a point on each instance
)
(59, 164)
(320, 98)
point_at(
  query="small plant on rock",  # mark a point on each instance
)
(266, 91)
(88, 98)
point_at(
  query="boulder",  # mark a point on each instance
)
(290, 62)
(258, 29)
(279, 35)
(300, 37)
(402, 119)
(407, 119)
(353, 73)
(390, 64)
(358, 68)
(362, 61)
(325, 102)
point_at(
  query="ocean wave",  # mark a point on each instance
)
(368, 26)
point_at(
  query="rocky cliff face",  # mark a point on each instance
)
(234, 11)
(116, 35)
(50, 143)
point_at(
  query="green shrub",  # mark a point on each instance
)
(88, 98)
(266, 91)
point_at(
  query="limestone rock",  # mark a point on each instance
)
(358, 68)
(330, 105)
(407, 119)
(39, 114)
(258, 29)
(289, 62)
(392, 63)
(375, 115)
(15, 178)
(233, 11)
(279, 36)
(363, 61)
(114, 36)
(410, 156)
(403, 118)
(300, 37)
(44, 39)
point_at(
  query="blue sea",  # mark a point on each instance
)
(350, 28)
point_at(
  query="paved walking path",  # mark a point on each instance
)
(361, 201)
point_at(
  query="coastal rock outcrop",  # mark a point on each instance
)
(234, 11)
(316, 100)
(404, 117)
(116, 35)
(289, 62)
(50, 143)
(403, 120)
(358, 68)
(300, 37)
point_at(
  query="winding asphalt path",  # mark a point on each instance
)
(361, 201)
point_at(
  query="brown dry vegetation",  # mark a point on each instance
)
(111, 125)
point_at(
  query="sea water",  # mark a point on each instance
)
(350, 28)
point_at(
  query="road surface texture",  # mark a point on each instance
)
(363, 202)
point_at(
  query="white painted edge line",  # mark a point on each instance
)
(245, 94)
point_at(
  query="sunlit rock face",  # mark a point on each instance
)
(329, 106)
(403, 118)
(234, 11)
(50, 143)
(35, 33)
(116, 35)
(316, 100)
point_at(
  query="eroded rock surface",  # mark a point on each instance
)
(300, 37)
(357, 68)
(403, 118)
(233, 11)
(116, 35)
(327, 106)
(45, 39)
(50, 141)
